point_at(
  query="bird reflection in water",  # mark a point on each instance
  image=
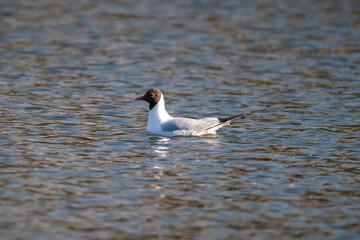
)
(161, 147)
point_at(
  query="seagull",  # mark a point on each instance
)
(161, 123)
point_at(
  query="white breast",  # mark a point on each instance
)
(157, 116)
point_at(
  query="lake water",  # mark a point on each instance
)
(77, 163)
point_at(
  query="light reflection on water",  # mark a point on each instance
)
(77, 163)
(161, 147)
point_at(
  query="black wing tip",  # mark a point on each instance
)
(241, 116)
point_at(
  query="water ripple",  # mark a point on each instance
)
(77, 163)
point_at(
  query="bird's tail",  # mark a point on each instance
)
(225, 121)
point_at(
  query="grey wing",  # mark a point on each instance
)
(170, 126)
(189, 124)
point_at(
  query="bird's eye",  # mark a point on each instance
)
(152, 95)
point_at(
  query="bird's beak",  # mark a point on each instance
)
(139, 98)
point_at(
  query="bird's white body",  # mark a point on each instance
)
(161, 123)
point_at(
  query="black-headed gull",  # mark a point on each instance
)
(161, 123)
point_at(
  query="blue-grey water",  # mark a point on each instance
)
(77, 163)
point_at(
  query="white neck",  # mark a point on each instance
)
(158, 114)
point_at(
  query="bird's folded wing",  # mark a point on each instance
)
(198, 125)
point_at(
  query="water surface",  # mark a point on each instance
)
(77, 163)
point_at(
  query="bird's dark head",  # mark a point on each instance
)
(152, 96)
